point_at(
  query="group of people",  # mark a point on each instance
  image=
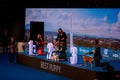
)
(61, 42)
(9, 45)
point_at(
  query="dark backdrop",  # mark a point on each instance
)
(13, 12)
(35, 29)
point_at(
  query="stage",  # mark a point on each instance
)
(64, 68)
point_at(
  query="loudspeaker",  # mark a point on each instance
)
(36, 28)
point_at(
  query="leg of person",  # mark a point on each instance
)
(97, 62)
(65, 44)
(6, 48)
(63, 56)
(10, 58)
(3, 48)
(13, 57)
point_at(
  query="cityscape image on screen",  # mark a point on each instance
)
(85, 24)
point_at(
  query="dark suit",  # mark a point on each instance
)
(12, 51)
(5, 43)
(97, 56)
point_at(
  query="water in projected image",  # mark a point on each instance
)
(107, 54)
(85, 24)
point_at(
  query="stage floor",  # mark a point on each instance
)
(115, 64)
(64, 68)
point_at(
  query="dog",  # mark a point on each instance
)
(88, 59)
(55, 57)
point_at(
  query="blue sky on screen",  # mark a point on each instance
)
(101, 22)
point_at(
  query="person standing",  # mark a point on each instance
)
(25, 46)
(5, 41)
(39, 44)
(97, 53)
(27, 35)
(61, 37)
(11, 46)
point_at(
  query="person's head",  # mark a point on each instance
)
(96, 41)
(60, 30)
(39, 36)
(5, 32)
(12, 38)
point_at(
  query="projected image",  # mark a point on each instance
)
(86, 25)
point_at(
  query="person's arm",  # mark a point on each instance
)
(15, 44)
(64, 36)
(89, 52)
(36, 42)
(56, 41)
(60, 49)
(42, 42)
(57, 37)
(8, 45)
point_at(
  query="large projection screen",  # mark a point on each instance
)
(85, 24)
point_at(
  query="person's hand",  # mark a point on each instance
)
(8, 46)
(36, 42)
(40, 38)
(93, 51)
(85, 53)
(56, 43)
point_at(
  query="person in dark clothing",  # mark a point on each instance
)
(5, 41)
(39, 44)
(25, 46)
(11, 46)
(63, 55)
(97, 53)
(61, 37)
